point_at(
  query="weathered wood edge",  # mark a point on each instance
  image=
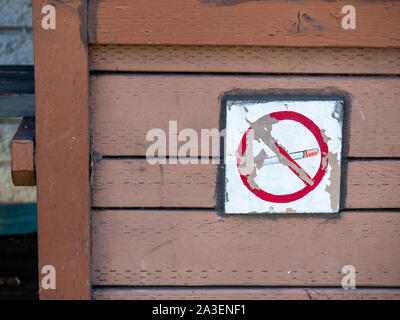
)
(254, 23)
(244, 59)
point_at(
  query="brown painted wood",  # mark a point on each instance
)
(243, 22)
(125, 107)
(136, 183)
(203, 248)
(62, 148)
(373, 184)
(244, 294)
(244, 59)
(22, 154)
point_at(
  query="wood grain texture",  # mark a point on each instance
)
(125, 107)
(203, 248)
(22, 154)
(244, 59)
(255, 23)
(373, 184)
(62, 148)
(136, 183)
(244, 294)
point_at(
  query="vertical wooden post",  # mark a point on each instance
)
(62, 147)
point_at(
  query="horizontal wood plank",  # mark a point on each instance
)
(244, 294)
(136, 183)
(244, 59)
(125, 107)
(203, 248)
(373, 184)
(241, 22)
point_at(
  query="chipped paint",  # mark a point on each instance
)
(305, 23)
(246, 160)
(262, 132)
(268, 138)
(334, 180)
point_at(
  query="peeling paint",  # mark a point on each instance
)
(260, 158)
(269, 137)
(262, 132)
(305, 23)
(251, 180)
(334, 180)
(308, 18)
(247, 160)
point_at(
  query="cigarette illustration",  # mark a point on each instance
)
(294, 155)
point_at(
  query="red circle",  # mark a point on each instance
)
(285, 198)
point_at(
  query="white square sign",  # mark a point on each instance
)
(283, 156)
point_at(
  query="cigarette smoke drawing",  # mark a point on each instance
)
(295, 156)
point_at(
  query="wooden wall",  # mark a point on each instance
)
(114, 226)
(157, 232)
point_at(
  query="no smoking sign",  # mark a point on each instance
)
(283, 156)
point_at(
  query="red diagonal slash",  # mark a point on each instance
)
(287, 156)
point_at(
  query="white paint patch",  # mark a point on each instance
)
(275, 177)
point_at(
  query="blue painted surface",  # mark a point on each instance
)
(18, 219)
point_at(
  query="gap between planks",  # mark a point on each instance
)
(369, 184)
(241, 59)
(123, 107)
